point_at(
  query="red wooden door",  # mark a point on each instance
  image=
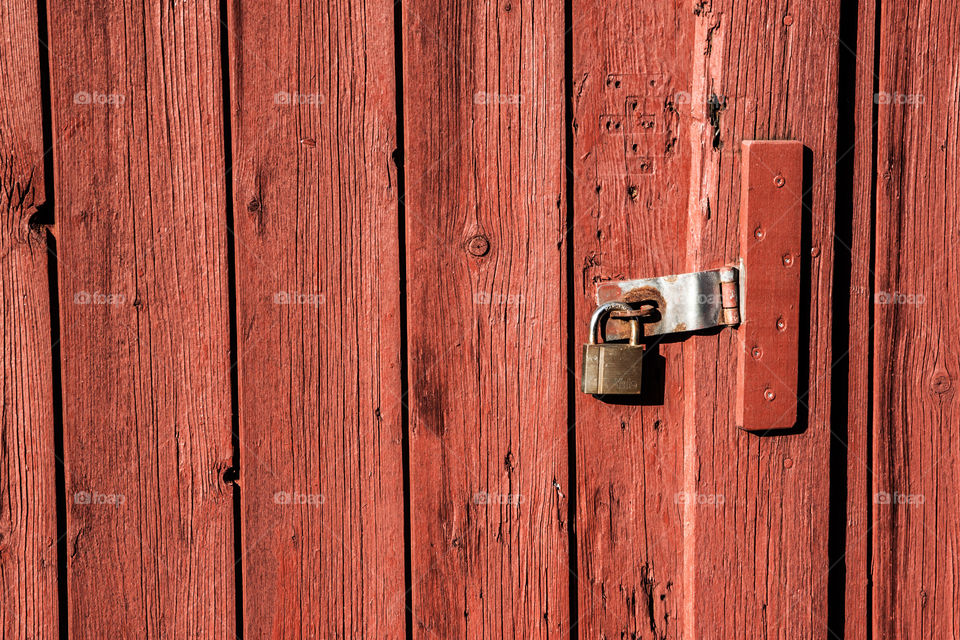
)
(694, 528)
(294, 294)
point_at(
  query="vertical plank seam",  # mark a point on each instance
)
(44, 215)
(232, 475)
(572, 493)
(398, 160)
(58, 436)
(843, 254)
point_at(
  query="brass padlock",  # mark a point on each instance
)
(612, 369)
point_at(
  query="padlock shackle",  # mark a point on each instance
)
(602, 311)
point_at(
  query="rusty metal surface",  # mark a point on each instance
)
(770, 222)
(683, 302)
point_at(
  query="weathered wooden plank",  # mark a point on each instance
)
(916, 342)
(483, 105)
(28, 526)
(139, 177)
(630, 190)
(696, 529)
(314, 126)
(770, 538)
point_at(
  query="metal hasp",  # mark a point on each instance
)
(682, 302)
(760, 295)
(770, 243)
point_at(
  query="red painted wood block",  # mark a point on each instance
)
(772, 192)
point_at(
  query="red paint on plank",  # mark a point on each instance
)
(771, 211)
(630, 191)
(318, 295)
(28, 526)
(916, 341)
(764, 552)
(140, 213)
(484, 109)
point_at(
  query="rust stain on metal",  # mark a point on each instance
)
(645, 294)
(647, 301)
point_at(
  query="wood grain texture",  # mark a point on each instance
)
(28, 526)
(916, 341)
(483, 105)
(630, 186)
(314, 128)
(696, 529)
(766, 551)
(137, 113)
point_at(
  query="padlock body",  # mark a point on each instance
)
(611, 369)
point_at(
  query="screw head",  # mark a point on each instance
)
(815, 252)
(769, 395)
(781, 324)
(779, 181)
(756, 353)
(787, 260)
(758, 233)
